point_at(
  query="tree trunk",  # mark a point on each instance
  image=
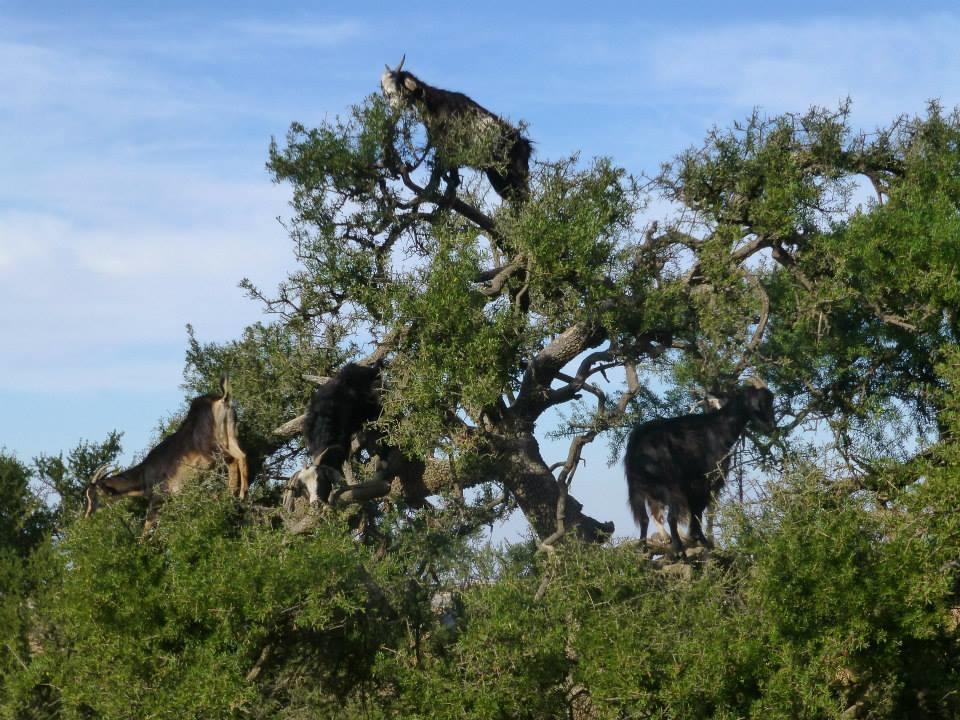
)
(533, 485)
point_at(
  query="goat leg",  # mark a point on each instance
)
(675, 542)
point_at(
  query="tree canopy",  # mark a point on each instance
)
(817, 258)
(795, 249)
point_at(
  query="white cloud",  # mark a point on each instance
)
(129, 208)
(886, 66)
(114, 286)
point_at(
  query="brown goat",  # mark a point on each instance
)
(207, 432)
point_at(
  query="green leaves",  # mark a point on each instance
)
(175, 622)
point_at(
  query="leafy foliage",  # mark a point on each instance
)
(820, 259)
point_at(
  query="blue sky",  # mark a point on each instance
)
(133, 136)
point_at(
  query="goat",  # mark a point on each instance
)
(510, 167)
(338, 410)
(335, 430)
(209, 430)
(680, 463)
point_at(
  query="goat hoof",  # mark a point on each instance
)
(696, 553)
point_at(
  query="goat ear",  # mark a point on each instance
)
(410, 84)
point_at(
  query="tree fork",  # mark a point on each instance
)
(536, 491)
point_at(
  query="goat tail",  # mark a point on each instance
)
(638, 505)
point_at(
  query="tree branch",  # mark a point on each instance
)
(577, 383)
(534, 394)
(758, 333)
(478, 218)
(496, 278)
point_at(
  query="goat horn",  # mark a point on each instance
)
(754, 381)
(401, 63)
(91, 498)
(101, 472)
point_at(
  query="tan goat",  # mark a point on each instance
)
(209, 431)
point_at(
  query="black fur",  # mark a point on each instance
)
(681, 462)
(509, 177)
(338, 410)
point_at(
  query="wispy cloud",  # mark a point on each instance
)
(309, 33)
(887, 66)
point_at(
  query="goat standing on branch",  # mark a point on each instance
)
(338, 410)
(207, 432)
(681, 462)
(509, 168)
(334, 427)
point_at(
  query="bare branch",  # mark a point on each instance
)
(758, 332)
(480, 219)
(577, 383)
(315, 379)
(494, 284)
(779, 253)
(738, 256)
(290, 428)
(892, 319)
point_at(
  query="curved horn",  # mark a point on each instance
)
(319, 458)
(225, 385)
(400, 66)
(102, 472)
(91, 498)
(91, 491)
(754, 381)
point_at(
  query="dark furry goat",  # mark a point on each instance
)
(681, 462)
(207, 432)
(338, 410)
(336, 429)
(510, 168)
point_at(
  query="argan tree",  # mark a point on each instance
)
(795, 249)
(499, 318)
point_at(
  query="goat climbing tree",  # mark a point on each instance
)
(493, 314)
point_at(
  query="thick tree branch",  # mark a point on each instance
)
(495, 279)
(534, 394)
(738, 256)
(602, 421)
(291, 428)
(577, 383)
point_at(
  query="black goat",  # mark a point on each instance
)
(338, 410)
(681, 462)
(510, 167)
